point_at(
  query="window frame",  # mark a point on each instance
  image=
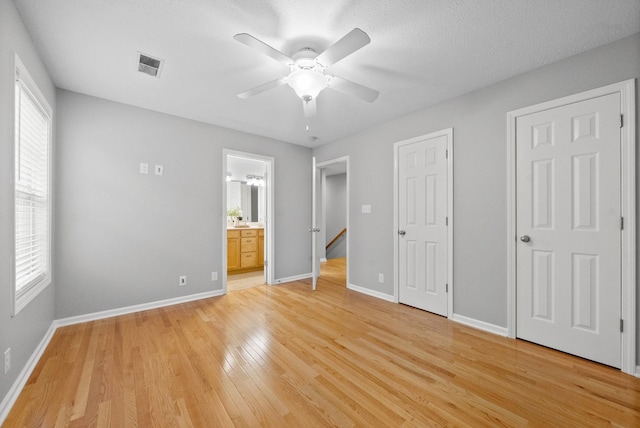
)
(23, 79)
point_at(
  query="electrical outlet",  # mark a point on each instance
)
(7, 360)
(380, 278)
(182, 280)
(144, 168)
(214, 276)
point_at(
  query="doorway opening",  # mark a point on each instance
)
(247, 220)
(333, 240)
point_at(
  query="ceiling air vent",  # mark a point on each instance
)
(149, 65)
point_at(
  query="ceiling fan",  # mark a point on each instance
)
(307, 70)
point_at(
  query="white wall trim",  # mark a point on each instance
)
(626, 90)
(637, 374)
(481, 325)
(372, 293)
(15, 390)
(293, 278)
(451, 221)
(448, 132)
(135, 308)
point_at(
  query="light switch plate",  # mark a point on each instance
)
(159, 170)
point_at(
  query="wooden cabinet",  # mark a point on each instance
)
(247, 246)
(233, 249)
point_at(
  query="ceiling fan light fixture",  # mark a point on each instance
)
(307, 83)
(307, 70)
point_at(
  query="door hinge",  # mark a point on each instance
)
(446, 154)
(446, 288)
(446, 221)
(621, 120)
(621, 325)
(621, 223)
(266, 263)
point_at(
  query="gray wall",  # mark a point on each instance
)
(336, 213)
(124, 238)
(23, 332)
(480, 175)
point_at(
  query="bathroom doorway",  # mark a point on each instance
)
(247, 220)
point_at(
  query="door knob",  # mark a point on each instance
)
(525, 238)
(402, 232)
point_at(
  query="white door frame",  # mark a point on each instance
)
(321, 166)
(315, 264)
(396, 220)
(269, 254)
(626, 90)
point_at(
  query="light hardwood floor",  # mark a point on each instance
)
(240, 281)
(286, 356)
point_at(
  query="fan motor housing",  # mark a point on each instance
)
(305, 59)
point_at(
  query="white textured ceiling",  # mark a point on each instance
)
(422, 52)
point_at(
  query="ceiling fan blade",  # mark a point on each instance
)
(259, 89)
(264, 48)
(348, 87)
(309, 108)
(347, 45)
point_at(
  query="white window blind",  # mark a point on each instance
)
(32, 195)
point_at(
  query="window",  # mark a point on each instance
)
(32, 151)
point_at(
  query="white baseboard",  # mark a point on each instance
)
(135, 308)
(637, 373)
(15, 390)
(323, 260)
(372, 293)
(488, 327)
(293, 278)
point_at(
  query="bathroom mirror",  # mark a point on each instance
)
(240, 194)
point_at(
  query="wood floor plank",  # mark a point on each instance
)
(287, 356)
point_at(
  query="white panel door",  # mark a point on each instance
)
(568, 227)
(422, 216)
